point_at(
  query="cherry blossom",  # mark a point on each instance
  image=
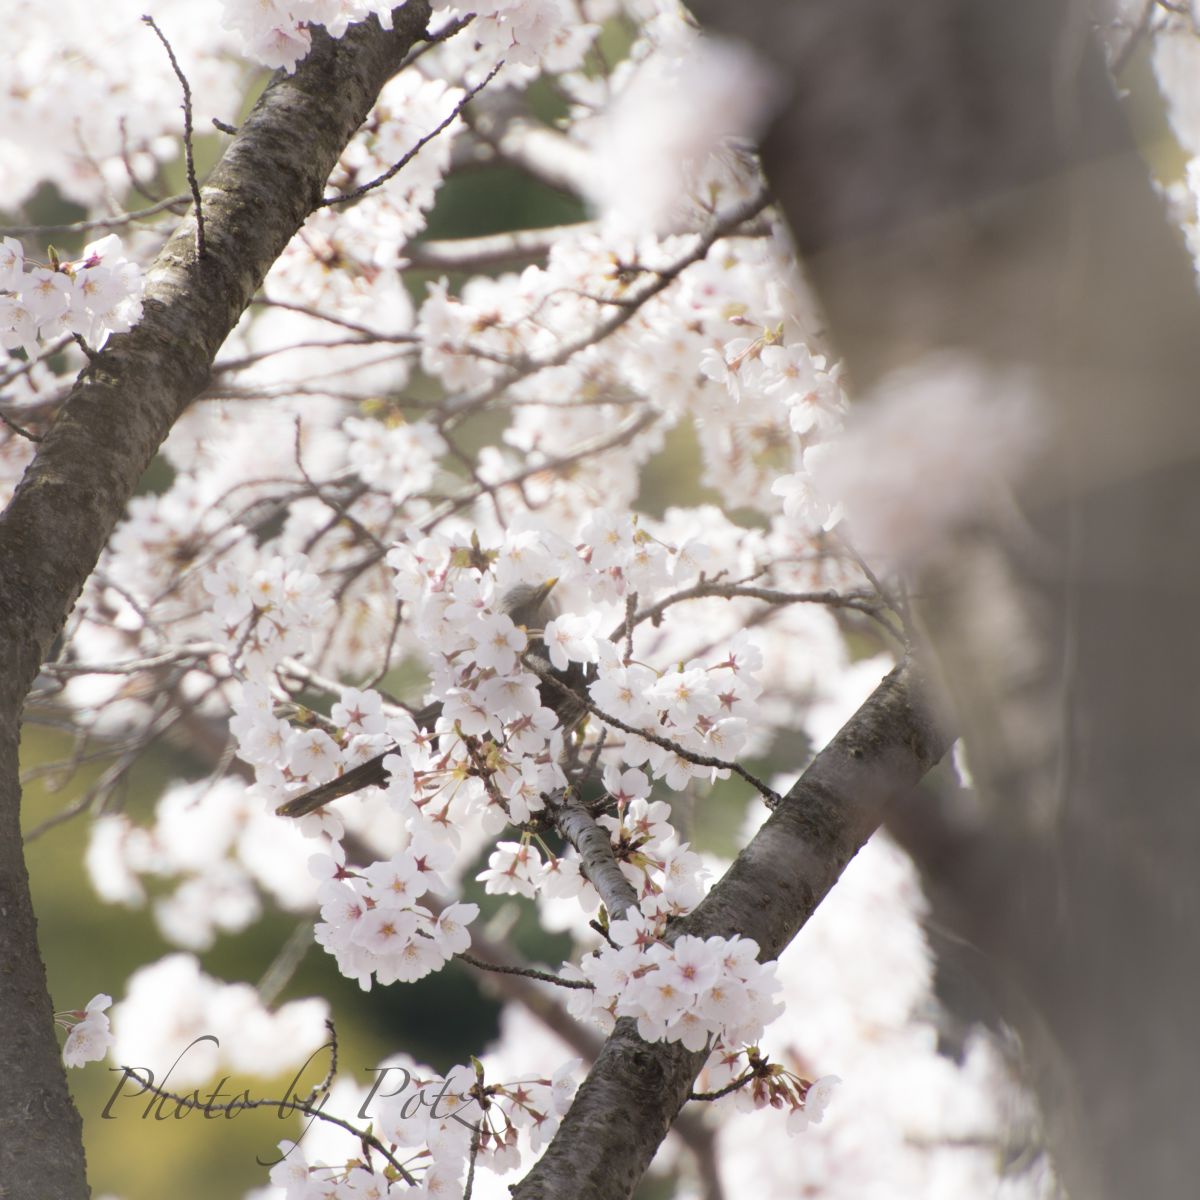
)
(90, 1037)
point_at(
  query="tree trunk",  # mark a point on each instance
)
(959, 176)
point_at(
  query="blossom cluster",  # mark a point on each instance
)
(496, 744)
(666, 874)
(753, 1082)
(533, 34)
(492, 750)
(94, 295)
(691, 990)
(373, 925)
(278, 34)
(268, 615)
(430, 1122)
(722, 333)
(528, 36)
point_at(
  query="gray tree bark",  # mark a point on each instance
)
(958, 175)
(75, 490)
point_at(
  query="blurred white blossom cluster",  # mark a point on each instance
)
(176, 1018)
(207, 839)
(495, 751)
(534, 34)
(73, 113)
(278, 34)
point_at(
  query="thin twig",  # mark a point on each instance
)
(398, 166)
(721, 227)
(446, 32)
(291, 954)
(858, 601)
(245, 1102)
(771, 796)
(725, 1091)
(95, 223)
(20, 430)
(1122, 55)
(476, 1138)
(187, 133)
(526, 972)
(132, 666)
(386, 662)
(494, 249)
(340, 511)
(307, 310)
(896, 603)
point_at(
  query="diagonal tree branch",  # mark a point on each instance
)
(626, 1105)
(119, 411)
(596, 856)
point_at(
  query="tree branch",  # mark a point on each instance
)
(626, 1105)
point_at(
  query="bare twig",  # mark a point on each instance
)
(1122, 55)
(858, 601)
(527, 972)
(474, 253)
(366, 332)
(187, 133)
(88, 353)
(294, 1104)
(131, 666)
(398, 166)
(729, 1088)
(291, 954)
(444, 34)
(476, 1138)
(895, 602)
(95, 223)
(771, 796)
(19, 430)
(721, 227)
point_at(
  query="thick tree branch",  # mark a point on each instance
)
(626, 1105)
(121, 408)
(596, 856)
